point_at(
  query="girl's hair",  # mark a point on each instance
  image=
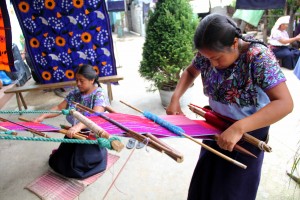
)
(217, 32)
(89, 73)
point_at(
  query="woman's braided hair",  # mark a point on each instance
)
(217, 32)
(89, 73)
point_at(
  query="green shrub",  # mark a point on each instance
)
(168, 47)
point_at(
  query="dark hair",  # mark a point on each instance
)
(217, 32)
(88, 72)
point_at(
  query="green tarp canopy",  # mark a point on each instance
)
(250, 16)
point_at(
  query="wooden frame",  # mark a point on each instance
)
(108, 80)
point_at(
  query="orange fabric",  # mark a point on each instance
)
(6, 55)
(4, 64)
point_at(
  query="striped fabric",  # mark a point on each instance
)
(52, 186)
(36, 126)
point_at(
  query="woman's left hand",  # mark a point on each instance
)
(228, 139)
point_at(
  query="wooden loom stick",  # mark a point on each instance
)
(236, 147)
(141, 138)
(155, 139)
(5, 129)
(63, 131)
(204, 145)
(246, 136)
(68, 127)
(26, 128)
(117, 145)
(90, 124)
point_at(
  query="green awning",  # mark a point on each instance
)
(250, 16)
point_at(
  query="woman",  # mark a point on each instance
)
(243, 81)
(80, 160)
(280, 41)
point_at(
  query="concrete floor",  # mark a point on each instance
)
(147, 174)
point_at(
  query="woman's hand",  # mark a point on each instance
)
(174, 109)
(298, 37)
(228, 139)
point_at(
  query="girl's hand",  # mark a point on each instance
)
(72, 131)
(38, 119)
(228, 139)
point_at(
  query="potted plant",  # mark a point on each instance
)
(168, 47)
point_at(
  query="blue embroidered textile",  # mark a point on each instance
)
(61, 35)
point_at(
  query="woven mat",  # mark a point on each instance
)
(52, 186)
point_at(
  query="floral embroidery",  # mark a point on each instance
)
(238, 84)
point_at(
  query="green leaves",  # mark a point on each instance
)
(168, 47)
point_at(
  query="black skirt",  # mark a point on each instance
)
(78, 160)
(217, 179)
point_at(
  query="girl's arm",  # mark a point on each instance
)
(77, 127)
(281, 105)
(186, 80)
(61, 106)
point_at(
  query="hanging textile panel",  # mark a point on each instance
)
(260, 5)
(62, 35)
(6, 56)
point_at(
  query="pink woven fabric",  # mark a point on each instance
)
(52, 186)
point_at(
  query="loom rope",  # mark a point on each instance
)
(64, 112)
(8, 132)
(102, 142)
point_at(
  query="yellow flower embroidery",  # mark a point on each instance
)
(23, 7)
(46, 75)
(50, 4)
(60, 41)
(78, 3)
(34, 43)
(69, 74)
(86, 37)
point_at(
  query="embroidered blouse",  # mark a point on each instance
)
(96, 98)
(239, 90)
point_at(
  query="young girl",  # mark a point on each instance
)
(244, 82)
(80, 160)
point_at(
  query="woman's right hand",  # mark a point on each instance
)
(174, 108)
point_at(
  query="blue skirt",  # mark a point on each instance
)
(288, 55)
(215, 178)
(78, 160)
